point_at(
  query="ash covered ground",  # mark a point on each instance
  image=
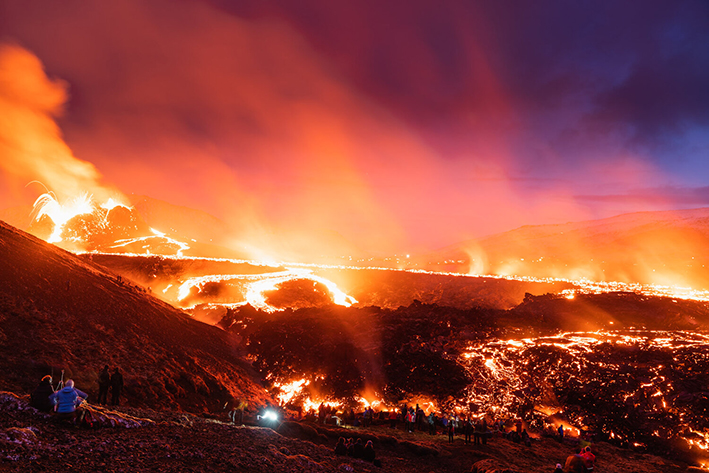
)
(127, 439)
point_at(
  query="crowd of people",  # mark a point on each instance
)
(476, 430)
(107, 381)
(66, 400)
(358, 449)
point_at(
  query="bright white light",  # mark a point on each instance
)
(270, 415)
(47, 204)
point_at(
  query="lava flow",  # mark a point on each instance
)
(255, 287)
(111, 227)
(632, 387)
(586, 377)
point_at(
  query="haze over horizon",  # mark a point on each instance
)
(403, 126)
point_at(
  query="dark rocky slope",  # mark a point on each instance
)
(59, 312)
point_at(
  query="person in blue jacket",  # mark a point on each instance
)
(67, 401)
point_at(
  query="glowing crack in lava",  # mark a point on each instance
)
(256, 291)
(512, 373)
(259, 284)
(582, 286)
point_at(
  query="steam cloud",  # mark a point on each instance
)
(31, 143)
(314, 126)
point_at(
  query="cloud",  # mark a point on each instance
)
(31, 143)
(393, 124)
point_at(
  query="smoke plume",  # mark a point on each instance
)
(31, 143)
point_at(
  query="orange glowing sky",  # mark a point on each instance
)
(401, 126)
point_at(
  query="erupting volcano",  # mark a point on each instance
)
(490, 212)
(625, 373)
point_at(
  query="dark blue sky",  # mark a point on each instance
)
(397, 123)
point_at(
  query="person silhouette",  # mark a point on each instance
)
(116, 386)
(104, 382)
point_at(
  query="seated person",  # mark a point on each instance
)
(67, 402)
(40, 397)
(358, 451)
(341, 447)
(369, 453)
(589, 458)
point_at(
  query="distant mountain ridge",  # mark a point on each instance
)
(667, 248)
(661, 247)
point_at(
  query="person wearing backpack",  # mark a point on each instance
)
(67, 401)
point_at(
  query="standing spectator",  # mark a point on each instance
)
(419, 418)
(104, 382)
(116, 386)
(477, 433)
(451, 431)
(392, 418)
(321, 413)
(525, 438)
(468, 430)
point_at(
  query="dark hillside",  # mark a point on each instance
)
(59, 312)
